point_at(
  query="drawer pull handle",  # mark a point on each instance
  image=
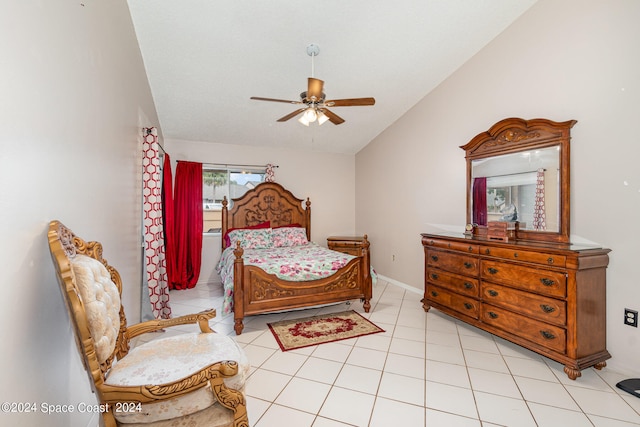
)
(434, 276)
(515, 255)
(434, 294)
(547, 335)
(470, 248)
(431, 242)
(547, 282)
(493, 315)
(468, 306)
(550, 260)
(468, 264)
(434, 257)
(547, 308)
(487, 251)
(468, 285)
(493, 293)
(492, 270)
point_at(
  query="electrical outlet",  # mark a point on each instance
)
(631, 317)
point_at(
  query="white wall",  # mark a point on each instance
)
(327, 179)
(562, 60)
(74, 98)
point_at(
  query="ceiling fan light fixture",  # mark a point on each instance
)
(322, 117)
(303, 120)
(310, 115)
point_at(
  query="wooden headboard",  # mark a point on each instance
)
(268, 201)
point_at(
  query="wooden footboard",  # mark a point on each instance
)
(256, 292)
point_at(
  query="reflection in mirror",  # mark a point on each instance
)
(521, 187)
(519, 170)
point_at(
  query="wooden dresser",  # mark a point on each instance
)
(545, 296)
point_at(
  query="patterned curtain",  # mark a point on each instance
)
(269, 175)
(539, 217)
(154, 258)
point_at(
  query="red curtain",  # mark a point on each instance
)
(188, 226)
(480, 201)
(169, 222)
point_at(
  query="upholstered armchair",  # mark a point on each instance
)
(194, 379)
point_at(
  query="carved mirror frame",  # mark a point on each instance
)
(515, 135)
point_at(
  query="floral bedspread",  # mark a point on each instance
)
(294, 263)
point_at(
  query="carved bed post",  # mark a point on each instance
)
(307, 214)
(366, 273)
(238, 289)
(225, 216)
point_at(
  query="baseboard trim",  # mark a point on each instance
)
(400, 284)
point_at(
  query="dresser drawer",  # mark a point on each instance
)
(460, 303)
(346, 248)
(552, 283)
(547, 309)
(453, 262)
(460, 284)
(525, 256)
(454, 246)
(541, 333)
(351, 245)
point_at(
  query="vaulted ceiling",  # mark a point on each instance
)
(206, 58)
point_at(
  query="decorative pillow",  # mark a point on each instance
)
(101, 301)
(289, 236)
(259, 238)
(266, 224)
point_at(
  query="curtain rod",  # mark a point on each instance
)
(230, 164)
(510, 174)
(148, 132)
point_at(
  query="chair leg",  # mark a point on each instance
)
(233, 400)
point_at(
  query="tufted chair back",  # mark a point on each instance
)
(188, 379)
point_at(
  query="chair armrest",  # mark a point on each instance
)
(201, 318)
(213, 373)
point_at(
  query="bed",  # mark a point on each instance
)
(269, 211)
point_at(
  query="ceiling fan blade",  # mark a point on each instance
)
(333, 117)
(257, 98)
(291, 115)
(314, 89)
(350, 102)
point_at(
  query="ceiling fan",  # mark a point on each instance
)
(315, 105)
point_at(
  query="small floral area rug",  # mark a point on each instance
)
(299, 333)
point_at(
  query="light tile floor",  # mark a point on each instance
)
(426, 370)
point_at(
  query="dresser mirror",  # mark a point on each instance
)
(518, 172)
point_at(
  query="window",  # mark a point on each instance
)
(219, 182)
